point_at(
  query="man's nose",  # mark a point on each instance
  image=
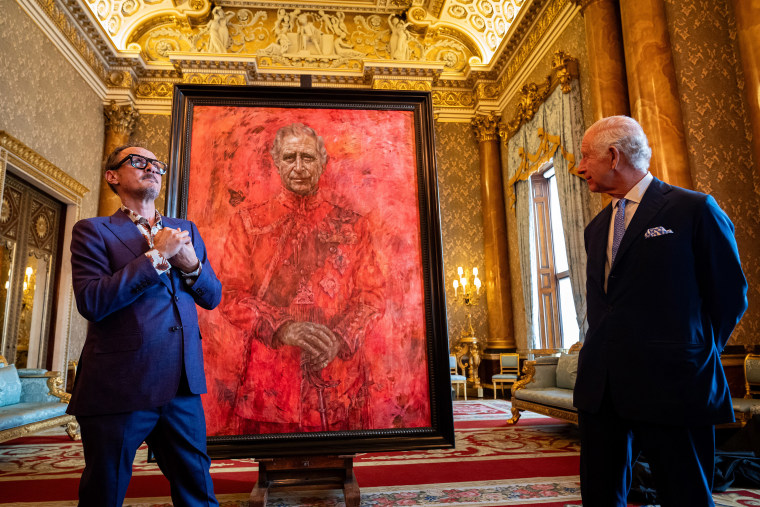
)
(150, 168)
(299, 166)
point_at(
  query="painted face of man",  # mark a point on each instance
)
(299, 165)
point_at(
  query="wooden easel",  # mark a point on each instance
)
(310, 472)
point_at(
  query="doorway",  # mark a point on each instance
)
(30, 235)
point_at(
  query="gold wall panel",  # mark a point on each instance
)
(461, 219)
(710, 86)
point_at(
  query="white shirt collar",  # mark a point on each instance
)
(637, 192)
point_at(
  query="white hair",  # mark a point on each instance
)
(625, 134)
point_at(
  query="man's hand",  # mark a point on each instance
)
(185, 260)
(169, 241)
(318, 342)
(176, 246)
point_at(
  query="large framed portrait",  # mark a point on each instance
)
(319, 211)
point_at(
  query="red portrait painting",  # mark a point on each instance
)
(311, 218)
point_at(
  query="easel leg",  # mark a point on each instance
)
(350, 486)
(260, 490)
(313, 472)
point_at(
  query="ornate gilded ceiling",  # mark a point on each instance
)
(459, 49)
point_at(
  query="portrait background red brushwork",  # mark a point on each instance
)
(372, 168)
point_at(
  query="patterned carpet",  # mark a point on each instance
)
(532, 463)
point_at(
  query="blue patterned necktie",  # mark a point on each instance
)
(619, 228)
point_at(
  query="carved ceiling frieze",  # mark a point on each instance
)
(464, 51)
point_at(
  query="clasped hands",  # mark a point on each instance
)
(177, 247)
(319, 343)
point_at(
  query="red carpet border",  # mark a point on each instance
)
(532, 463)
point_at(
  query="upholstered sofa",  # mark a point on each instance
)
(547, 388)
(32, 400)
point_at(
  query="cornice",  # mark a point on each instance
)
(148, 85)
(43, 169)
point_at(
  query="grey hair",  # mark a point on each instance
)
(112, 161)
(625, 134)
(298, 130)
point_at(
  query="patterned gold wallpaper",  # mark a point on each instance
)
(710, 80)
(45, 104)
(461, 218)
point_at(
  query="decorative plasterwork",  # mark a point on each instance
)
(120, 118)
(388, 44)
(533, 95)
(485, 22)
(486, 127)
(42, 169)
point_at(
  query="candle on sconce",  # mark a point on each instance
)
(456, 288)
(460, 271)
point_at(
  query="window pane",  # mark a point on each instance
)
(569, 319)
(558, 236)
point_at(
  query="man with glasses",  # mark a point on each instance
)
(138, 277)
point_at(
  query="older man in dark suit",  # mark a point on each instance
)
(138, 277)
(665, 290)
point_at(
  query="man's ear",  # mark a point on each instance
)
(112, 177)
(615, 157)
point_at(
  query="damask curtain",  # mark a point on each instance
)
(554, 133)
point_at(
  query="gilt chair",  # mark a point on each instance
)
(456, 378)
(745, 408)
(509, 371)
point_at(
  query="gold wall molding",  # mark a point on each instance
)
(401, 84)
(533, 95)
(447, 98)
(44, 170)
(72, 33)
(532, 162)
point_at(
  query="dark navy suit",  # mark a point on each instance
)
(650, 364)
(141, 370)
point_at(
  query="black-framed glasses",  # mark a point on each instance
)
(140, 162)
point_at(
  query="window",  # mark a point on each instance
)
(556, 326)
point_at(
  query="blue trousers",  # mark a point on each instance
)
(682, 459)
(175, 432)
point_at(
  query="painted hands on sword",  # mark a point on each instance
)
(319, 343)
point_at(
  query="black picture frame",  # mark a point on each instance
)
(439, 433)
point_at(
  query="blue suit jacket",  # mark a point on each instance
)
(671, 304)
(143, 327)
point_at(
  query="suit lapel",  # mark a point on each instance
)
(653, 200)
(597, 255)
(128, 233)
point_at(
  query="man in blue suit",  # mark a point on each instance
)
(138, 277)
(665, 290)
